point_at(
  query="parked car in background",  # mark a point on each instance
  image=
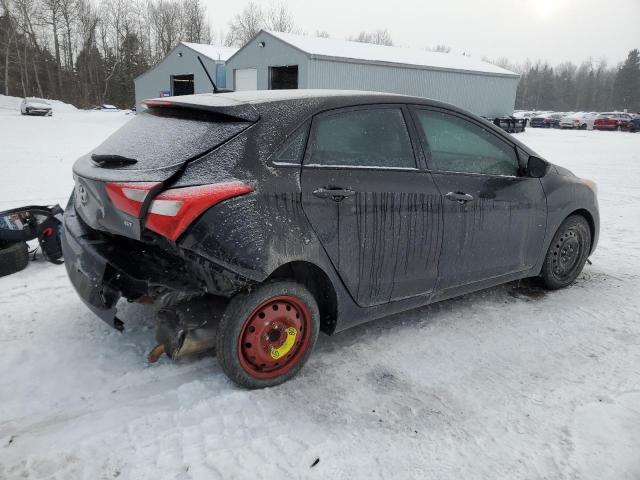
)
(579, 120)
(105, 107)
(35, 106)
(230, 203)
(525, 115)
(547, 120)
(634, 124)
(612, 121)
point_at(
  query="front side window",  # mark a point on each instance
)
(457, 145)
(375, 137)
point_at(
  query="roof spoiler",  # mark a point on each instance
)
(241, 111)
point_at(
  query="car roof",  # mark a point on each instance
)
(251, 105)
(253, 97)
(285, 110)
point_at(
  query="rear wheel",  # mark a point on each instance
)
(266, 335)
(567, 253)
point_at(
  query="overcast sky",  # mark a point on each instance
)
(553, 30)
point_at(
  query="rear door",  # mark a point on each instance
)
(494, 218)
(377, 214)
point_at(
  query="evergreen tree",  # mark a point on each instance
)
(626, 89)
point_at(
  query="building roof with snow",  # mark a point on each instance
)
(274, 61)
(214, 52)
(336, 49)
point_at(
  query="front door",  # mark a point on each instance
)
(494, 217)
(376, 213)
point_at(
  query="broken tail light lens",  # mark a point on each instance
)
(172, 211)
(129, 197)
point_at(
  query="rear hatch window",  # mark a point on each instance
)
(164, 137)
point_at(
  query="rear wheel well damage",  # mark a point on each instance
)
(320, 286)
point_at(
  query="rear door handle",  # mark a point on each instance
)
(335, 194)
(459, 197)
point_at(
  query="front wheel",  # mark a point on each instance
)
(266, 335)
(567, 253)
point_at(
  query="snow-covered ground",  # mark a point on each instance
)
(509, 383)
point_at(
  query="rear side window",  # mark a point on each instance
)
(457, 145)
(292, 151)
(375, 137)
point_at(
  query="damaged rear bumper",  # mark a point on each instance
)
(86, 268)
(103, 268)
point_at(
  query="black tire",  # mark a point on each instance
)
(13, 257)
(238, 314)
(567, 253)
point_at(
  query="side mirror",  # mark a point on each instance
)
(536, 167)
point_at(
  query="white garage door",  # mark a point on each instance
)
(246, 79)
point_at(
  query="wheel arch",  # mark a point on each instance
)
(320, 286)
(583, 212)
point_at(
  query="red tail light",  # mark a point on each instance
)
(171, 212)
(130, 197)
(157, 103)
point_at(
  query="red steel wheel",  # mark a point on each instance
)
(274, 337)
(266, 334)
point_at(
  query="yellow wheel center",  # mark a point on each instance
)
(287, 345)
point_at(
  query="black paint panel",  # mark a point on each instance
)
(384, 241)
(500, 231)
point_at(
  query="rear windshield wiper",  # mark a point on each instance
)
(113, 160)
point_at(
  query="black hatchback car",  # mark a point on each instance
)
(255, 219)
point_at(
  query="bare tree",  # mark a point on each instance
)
(165, 19)
(27, 11)
(378, 37)
(9, 39)
(245, 25)
(279, 19)
(440, 48)
(195, 26)
(52, 15)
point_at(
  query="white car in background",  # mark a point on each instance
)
(579, 121)
(35, 106)
(105, 107)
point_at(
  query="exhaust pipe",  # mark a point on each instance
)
(187, 328)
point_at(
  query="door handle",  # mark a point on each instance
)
(335, 194)
(459, 197)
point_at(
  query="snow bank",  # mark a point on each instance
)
(13, 103)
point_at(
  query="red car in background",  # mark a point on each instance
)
(612, 121)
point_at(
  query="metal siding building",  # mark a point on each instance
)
(182, 63)
(480, 87)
